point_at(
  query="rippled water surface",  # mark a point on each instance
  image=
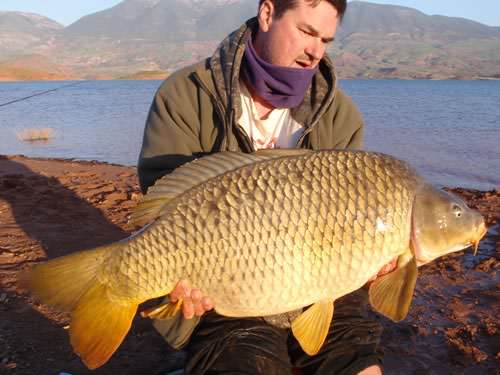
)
(449, 130)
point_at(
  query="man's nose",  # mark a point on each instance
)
(315, 49)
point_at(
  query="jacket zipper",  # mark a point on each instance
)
(218, 108)
(313, 125)
(225, 119)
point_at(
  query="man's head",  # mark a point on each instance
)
(295, 33)
(280, 6)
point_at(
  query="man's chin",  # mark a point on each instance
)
(303, 65)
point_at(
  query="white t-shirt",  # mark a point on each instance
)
(277, 130)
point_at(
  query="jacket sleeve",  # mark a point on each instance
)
(357, 139)
(176, 331)
(171, 134)
(171, 138)
(349, 122)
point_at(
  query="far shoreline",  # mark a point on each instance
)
(492, 79)
(161, 75)
(64, 160)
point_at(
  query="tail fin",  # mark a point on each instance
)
(99, 320)
(99, 325)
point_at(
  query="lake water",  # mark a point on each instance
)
(448, 130)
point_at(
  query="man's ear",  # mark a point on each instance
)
(265, 16)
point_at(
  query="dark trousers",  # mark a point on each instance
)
(222, 345)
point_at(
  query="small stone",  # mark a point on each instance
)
(117, 197)
(135, 196)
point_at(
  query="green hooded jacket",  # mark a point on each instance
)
(196, 110)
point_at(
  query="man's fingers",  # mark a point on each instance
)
(175, 294)
(207, 303)
(196, 296)
(187, 308)
(181, 290)
(193, 301)
(198, 309)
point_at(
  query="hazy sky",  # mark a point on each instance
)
(66, 12)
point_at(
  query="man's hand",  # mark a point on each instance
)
(193, 301)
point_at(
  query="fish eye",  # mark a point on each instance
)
(457, 210)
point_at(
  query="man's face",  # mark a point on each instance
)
(298, 39)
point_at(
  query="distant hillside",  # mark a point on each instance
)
(374, 41)
(27, 23)
(20, 31)
(385, 41)
(164, 20)
(367, 18)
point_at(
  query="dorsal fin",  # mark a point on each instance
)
(194, 173)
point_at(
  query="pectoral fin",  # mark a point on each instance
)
(311, 327)
(165, 310)
(391, 294)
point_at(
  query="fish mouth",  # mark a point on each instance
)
(474, 243)
(481, 232)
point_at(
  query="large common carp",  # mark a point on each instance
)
(262, 234)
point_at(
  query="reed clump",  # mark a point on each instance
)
(35, 134)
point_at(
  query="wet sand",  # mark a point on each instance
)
(54, 207)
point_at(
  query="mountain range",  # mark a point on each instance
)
(373, 41)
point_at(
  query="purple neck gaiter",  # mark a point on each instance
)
(280, 86)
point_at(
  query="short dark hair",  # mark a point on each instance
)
(281, 6)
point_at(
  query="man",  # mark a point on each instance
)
(269, 84)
